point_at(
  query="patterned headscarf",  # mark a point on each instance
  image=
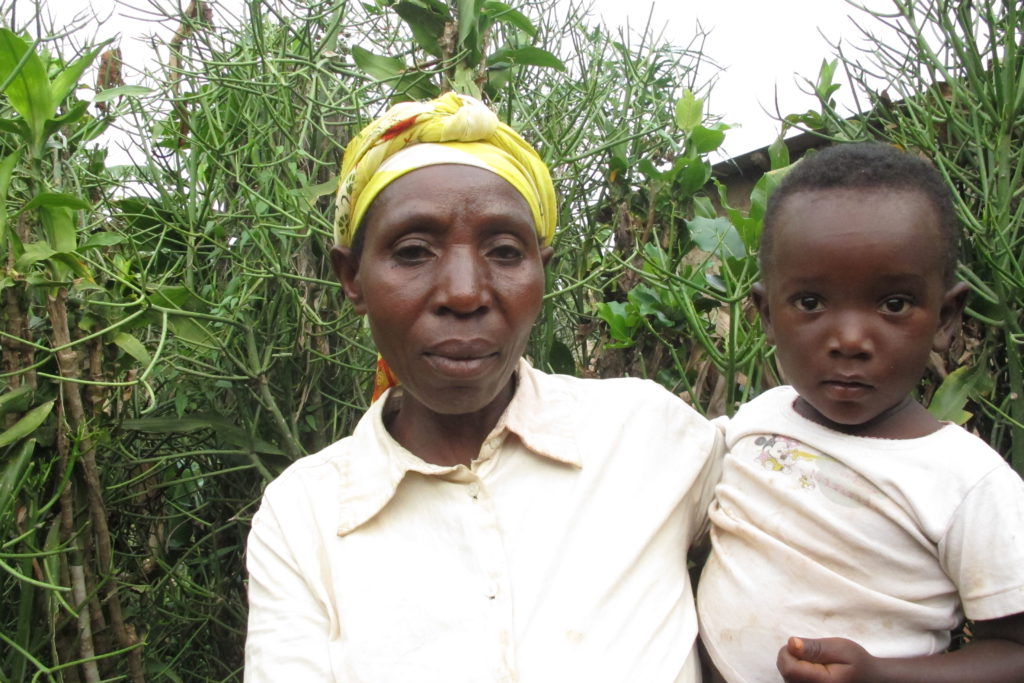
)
(452, 129)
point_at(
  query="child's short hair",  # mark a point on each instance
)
(867, 166)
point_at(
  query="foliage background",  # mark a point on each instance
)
(171, 339)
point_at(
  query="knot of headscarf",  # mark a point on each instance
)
(452, 129)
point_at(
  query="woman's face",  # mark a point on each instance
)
(451, 277)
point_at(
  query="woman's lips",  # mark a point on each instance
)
(461, 359)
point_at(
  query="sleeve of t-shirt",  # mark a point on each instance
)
(982, 552)
(707, 480)
(288, 629)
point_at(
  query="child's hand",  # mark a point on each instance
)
(821, 660)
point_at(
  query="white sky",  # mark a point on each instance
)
(765, 47)
(761, 44)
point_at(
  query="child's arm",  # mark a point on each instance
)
(995, 654)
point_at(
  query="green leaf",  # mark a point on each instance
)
(73, 115)
(438, 7)
(824, 87)
(7, 166)
(689, 111)
(704, 207)
(706, 140)
(414, 85)
(717, 236)
(560, 359)
(172, 425)
(28, 88)
(34, 252)
(225, 430)
(691, 174)
(649, 170)
(464, 81)
(40, 280)
(72, 262)
(15, 400)
(122, 91)
(28, 423)
(500, 11)
(763, 189)
(66, 81)
(380, 67)
(529, 55)
(959, 386)
(60, 227)
(101, 239)
(52, 561)
(469, 18)
(426, 24)
(133, 347)
(778, 153)
(177, 298)
(622, 320)
(648, 303)
(56, 199)
(12, 477)
(16, 127)
(172, 296)
(497, 79)
(314, 192)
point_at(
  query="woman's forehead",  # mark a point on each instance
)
(449, 192)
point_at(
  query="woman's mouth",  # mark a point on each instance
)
(461, 359)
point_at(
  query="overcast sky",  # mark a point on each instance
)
(765, 47)
(762, 46)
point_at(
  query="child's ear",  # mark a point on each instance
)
(759, 295)
(950, 315)
(346, 269)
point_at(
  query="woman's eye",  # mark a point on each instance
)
(895, 304)
(411, 253)
(807, 303)
(506, 252)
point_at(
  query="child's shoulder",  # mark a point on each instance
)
(772, 400)
(771, 407)
(950, 448)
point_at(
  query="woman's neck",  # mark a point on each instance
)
(442, 439)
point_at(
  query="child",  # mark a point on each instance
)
(846, 512)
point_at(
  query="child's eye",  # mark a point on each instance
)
(895, 304)
(808, 303)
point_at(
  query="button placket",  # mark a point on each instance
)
(492, 580)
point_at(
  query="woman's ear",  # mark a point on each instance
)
(950, 315)
(545, 255)
(346, 269)
(759, 295)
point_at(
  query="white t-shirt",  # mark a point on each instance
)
(816, 533)
(559, 555)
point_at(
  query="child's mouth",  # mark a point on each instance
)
(846, 389)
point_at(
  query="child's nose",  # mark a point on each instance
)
(850, 336)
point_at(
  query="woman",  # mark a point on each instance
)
(485, 521)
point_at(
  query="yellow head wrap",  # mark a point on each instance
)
(450, 129)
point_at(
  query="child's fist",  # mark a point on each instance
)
(824, 660)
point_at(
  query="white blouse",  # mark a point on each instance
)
(558, 555)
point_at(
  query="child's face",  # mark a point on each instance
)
(854, 300)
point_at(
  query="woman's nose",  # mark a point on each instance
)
(463, 283)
